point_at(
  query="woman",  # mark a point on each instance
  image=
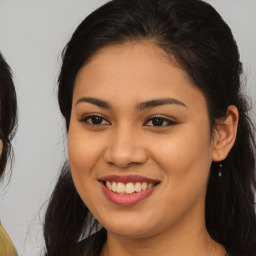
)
(160, 145)
(8, 120)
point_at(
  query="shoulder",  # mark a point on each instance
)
(6, 246)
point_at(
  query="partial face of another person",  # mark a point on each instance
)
(139, 141)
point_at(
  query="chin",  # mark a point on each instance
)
(131, 233)
(129, 229)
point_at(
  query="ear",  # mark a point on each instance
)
(225, 134)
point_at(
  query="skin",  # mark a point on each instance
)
(178, 154)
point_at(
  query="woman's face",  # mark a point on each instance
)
(139, 142)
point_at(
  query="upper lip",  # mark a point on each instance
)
(128, 178)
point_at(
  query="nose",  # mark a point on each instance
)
(125, 148)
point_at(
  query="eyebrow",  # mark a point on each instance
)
(158, 102)
(98, 102)
(139, 106)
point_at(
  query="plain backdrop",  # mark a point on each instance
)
(32, 36)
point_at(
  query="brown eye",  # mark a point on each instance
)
(95, 120)
(159, 122)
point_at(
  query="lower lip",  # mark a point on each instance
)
(127, 199)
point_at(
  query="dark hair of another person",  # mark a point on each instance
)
(8, 112)
(194, 34)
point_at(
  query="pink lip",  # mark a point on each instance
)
(128, 178)
(127, 199)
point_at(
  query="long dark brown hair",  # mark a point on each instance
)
(196, 35)
(8, 112)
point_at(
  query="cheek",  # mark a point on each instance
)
(185, 156)
(185, 159)
(83, 151)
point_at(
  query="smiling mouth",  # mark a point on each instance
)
(129, 187)
(127, 190)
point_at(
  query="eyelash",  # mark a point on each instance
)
(162, 120)
(85, 119)
(100, 118)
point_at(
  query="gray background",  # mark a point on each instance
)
(32, 35)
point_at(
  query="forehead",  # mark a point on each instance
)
(136, 57)
(134, 71)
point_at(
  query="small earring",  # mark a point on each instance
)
(220, 170)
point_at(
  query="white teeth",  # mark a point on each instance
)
(137, 187)
(120, 188)
(108, 184)
(128, 188)
(114, 187)
(150, 185)
(144, 186)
